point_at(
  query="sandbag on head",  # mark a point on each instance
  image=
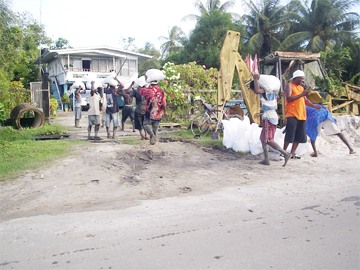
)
(110, 80)
(269, 83)
(153, 76)
(78, 84)
(140, 82)
(97, 84)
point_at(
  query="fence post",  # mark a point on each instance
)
(46, 96)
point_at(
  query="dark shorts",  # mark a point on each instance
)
(127, 111)
(268, 131)
(295, 130)
(139, 121)
(94, 120)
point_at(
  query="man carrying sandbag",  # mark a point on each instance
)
(155, 103)
(112, 106)
(267, 86)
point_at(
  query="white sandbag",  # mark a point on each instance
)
(241, 143)
(110, 80)
(97, 84)
(254, 139)
(78, 84)
(303, 148)
(154, 75)
(270, 83)
(140, 82)
(230, 132)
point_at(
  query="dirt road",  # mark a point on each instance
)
(175, 205)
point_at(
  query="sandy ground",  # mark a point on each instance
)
(175, 205)
(112, 175)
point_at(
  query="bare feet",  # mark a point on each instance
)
(286, 157)
(352, 152)
(108, 135)
(313, 155)
(264, 162)
(134, 130)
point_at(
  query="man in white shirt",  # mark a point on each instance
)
(94, 111)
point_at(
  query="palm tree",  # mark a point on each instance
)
(210, 5)
(264, 25)
(174, 42)
(320, 25)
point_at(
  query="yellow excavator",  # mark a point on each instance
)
(231, 61)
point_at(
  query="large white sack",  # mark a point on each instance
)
(97, 84)
(154, 75)
(241, 144)
(254, 139)
(303, 148)
(78, 83)
(140, 82)
(270, 83)
(110, 80)
(230, 131)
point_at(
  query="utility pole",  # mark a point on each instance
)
(39, 75)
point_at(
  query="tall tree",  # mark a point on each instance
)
(174, 42)
(207, 38)
(60, 43)
(208, 7)
(264, 25)
(154, 62)
(321, 24)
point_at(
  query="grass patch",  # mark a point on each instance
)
(18, 152)
(204, 141)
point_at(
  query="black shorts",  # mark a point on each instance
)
(295, 130)
(139, 121)
(127, 111)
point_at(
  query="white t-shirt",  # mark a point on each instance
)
(94, 108)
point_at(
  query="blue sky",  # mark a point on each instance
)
(91, 23)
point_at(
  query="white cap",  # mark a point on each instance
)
(298, 73)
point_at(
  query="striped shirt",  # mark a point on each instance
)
(269, 107)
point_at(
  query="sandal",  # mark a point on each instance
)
(295, 157)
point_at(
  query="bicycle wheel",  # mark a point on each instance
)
(200, 125)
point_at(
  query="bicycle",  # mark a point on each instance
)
(203, 123)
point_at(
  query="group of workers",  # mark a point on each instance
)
(146, 117)
(303, 118)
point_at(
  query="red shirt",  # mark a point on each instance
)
(155, 101)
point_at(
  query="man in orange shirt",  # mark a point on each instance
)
(295, 111)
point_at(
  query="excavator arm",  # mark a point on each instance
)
(231, 60)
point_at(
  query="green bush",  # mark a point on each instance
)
(53, 106)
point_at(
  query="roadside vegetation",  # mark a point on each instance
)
(19, 152)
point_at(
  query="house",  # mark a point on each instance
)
(64, 66)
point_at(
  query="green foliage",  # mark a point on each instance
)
(53, 106)
(154, 62)
(320, 25)
(264, 26)
(2, 114)
(18, 152)
(65, 98)
(206, 40)
(10, 100)
(180, 78)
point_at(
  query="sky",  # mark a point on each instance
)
(91, 23)
(87, 23)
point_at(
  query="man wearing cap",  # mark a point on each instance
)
(295, 111)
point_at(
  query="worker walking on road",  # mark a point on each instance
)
(78, 104)
(295, 112)
(266, 86)
(112, 107)
(155, 106)
(94, 111)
